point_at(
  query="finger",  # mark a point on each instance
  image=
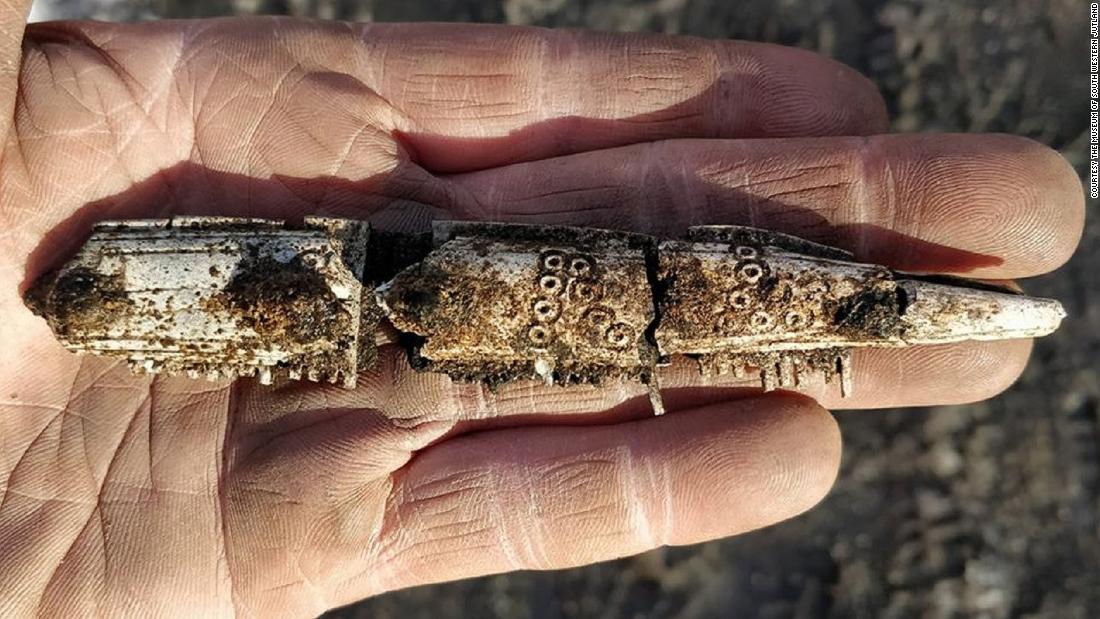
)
(895, 377)
(276, 118)
(302, 507)
(992, 206)
(465, 96)
(480, 96)
(547, 498)
(883, 378)
(919, 376)
(13, 19)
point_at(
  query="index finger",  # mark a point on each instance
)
(476, 96)
(13, 18)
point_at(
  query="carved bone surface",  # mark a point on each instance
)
(224, 297)
(213, 296)
(495, 304)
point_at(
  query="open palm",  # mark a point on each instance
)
(140, 495)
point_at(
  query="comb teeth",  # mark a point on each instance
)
(783, 370)
(265, 375)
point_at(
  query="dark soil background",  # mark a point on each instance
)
(988, 510)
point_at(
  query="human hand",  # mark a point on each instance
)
(139, 495)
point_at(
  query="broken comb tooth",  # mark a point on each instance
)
(223, 297)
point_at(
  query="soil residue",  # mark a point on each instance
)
(288, 303)
(80, 301)
(872, 313)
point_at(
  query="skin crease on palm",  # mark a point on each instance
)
(127, 495)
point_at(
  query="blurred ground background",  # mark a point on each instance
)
(987, 510)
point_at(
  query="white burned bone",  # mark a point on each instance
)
(215, 297)
(223, 297)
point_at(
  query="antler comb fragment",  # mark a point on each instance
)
(224, 297)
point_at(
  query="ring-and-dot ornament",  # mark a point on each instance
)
(567, 284)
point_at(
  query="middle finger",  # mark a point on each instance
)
(991, 206)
